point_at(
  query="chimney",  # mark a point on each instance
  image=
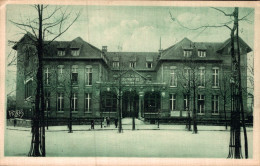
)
(104, 48)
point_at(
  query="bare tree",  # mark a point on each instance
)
(236, 86)
(51, 23)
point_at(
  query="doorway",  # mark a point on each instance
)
(130, 104)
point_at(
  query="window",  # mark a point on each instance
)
(74, 102)
(201, 104)
(187, 53)
(47, 100)
(47, 76)
(215, 104)
(61, 52)
(186, 102)
(187, 76)
(60, 103)
(88, 78)
(201, 53)
(215, 77)
(88, 102)
(202, 77)
(28, 88)
(74, 74)
(173, 77)
(132, 64)
(60, 74)
(75, 51)
(149, 65)
(152, 101)
(172, 102)
(115, 64)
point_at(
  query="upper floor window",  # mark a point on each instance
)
(149, 65)
(60, 74)
(115, 64)
(201, 104)
(61, 52)
(74, 74)
(75, 51)
(215, 76)
(47, 76)
(172, 102)
(187, 76)
(173, 77)
(28, 88)
(132, 64)
(202, 76)
(187, 53)
(201, 53)
(215, 104)
(88, 75)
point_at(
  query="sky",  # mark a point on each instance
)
(137, 28)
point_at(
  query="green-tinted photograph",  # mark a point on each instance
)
(129, 81)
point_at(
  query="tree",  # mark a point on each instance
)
(236, 85)
(46, 24)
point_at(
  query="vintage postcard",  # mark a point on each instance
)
(129, 83)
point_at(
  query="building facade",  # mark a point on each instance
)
(88, 81)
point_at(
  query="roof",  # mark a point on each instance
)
(140, 58)
(175, 52)
(213, 50)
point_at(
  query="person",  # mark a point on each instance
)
(105, 121)
(108, 122)
(15, 122)
(92, 124)
(116, 121)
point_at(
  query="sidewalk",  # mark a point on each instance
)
(128, 127)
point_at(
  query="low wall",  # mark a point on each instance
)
(19, 122)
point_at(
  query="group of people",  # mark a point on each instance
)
(106, 122)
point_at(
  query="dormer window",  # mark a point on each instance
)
(61, 52)
(149, 65)
(115, 64)
(149, 62)
(201, 53)
(132, 64)
(75, 51)
(187, 53)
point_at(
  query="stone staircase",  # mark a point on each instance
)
(128, 121)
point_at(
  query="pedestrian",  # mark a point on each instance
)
(92, 124)
(108, 122)
(15, 122)
(116, 120)
(105, 121)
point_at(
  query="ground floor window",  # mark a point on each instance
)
(60, 103)
(201, 104)
(74, 102)
(186, 102)
(109, 102)
(28, 89)
(47, 100)
(215, 109)
(172, 102)
(88, 102)
(152, 101)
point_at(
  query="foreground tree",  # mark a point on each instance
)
(48, 23)
(237, 107)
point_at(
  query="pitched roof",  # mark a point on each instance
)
(175, 52)
(139, 57)
(227, 42)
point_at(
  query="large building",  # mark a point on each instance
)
(88, 80)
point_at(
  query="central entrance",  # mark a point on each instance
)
(130, 104)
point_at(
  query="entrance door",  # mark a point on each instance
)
(130, 104)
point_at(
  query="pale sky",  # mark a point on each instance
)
(138, 28)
